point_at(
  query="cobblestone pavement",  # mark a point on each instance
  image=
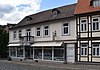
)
(24, 65)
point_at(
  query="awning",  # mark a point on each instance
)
(48, 44)
(14, 45)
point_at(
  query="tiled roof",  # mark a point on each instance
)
(65, 11)
(84, 6)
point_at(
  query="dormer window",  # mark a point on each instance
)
(55, 12)
(29, 18)
(96, 3)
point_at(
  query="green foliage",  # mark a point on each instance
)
(3, 43)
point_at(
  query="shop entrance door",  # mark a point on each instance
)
(70, 53)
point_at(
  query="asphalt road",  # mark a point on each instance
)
(16, 65)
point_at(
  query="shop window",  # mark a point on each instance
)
(19, 52)
(58, 54)
(13, 52)
(47, 54)
(38, 53)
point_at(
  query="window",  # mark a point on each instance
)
(46, 30)
(95, 24)
(38, 31)
(47, 54)
(14, 35)
(58, 54)
(38, 53)
(96, 3)
(55, 13)
(20, 33)
(83, 25)
(96, 49)
(13, 52)
(19, 52)
(84, 49)
(28, 34)
(65, 29)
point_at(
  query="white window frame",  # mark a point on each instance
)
(46, 29)
(84, 50)
(96, 47)
(20, 33)
(14, 35)
(28, 33)
(84, 25)
(96, 3)
(38, 30)
(96, 23)
(65, 27)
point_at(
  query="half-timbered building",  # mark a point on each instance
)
(88, 30)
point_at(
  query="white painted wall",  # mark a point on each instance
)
(54, 25)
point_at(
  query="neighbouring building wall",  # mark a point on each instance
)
(88, 38)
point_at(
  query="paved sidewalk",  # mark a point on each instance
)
(31, 65)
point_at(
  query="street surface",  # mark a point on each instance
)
(29, 65)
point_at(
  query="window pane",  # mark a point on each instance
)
(65, 30)
(38, 28)
(46, 32)
(82, 51)
(19, 52)
(38, 33)
(48, 54)
(83, 21)
(66, 24)
(94, 26)
(12, 52)
(85, 51)
(97, 25)
(46, 27)
(95, 45)
(85, 27)
(37, 53)
(97, 51)
(14, 35)
(58, 54)
(81, 27)
(93, 51)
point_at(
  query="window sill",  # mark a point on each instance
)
(96, 56)
(46, 36)
(38, 36)
(15, 39)
(83, 31)
(83, 55)
(65, 34)
(95, 30)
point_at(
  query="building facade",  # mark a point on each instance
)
(88, 30)
(48, 36)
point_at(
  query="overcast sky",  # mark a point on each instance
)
(13, 11)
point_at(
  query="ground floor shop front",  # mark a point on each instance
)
(61, 52)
